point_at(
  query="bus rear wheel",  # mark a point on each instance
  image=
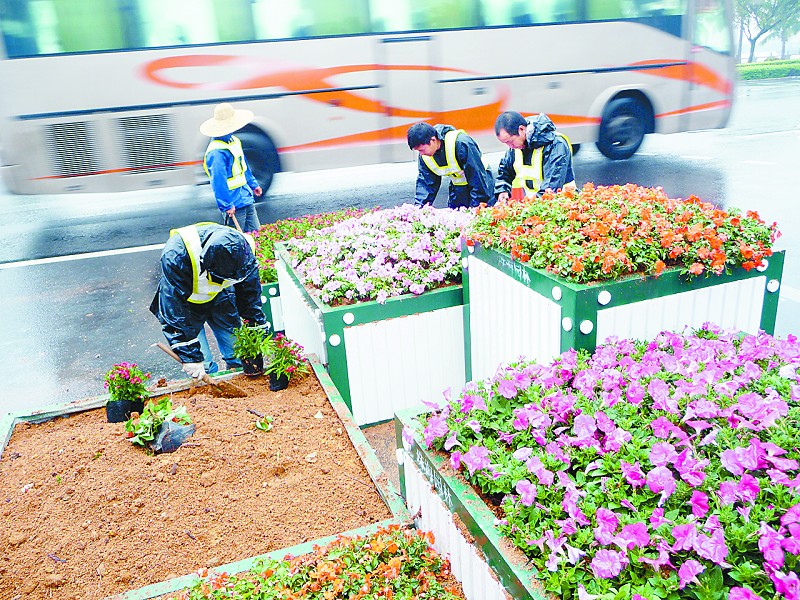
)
(262, 158)
(622, 128)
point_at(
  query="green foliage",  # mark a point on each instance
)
(248, 341)
(126, 381)
(392, 563)
(143, 430)
(769, 70)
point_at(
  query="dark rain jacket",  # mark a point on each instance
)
(468, 156)
(182, 320)
(556, 157)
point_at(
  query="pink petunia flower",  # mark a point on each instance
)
(607, 564)
(712, 547)
(477, 457)
(526, 491)
(688, 572)
(633, 535)
(660, 479)
(632, 473)
(699, 502)
(769, 542)
(740, 593)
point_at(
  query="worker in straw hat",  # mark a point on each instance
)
(231, 179)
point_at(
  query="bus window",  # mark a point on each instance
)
(710, 26)
(275, 19)
(19, 28)
(333, 17)
(390, 15)
(177, 22)
(599, 10)
(88, 26)
(527, 12)
(443, 14)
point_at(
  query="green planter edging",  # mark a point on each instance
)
(334, 323)
(462, 501)
(380, 479)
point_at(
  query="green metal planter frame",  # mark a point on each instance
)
(334, 324)
(460, 498)
(382, 482)
(579, 302)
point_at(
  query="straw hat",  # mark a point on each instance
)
(226, 120)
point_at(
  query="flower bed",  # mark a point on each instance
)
(119, 518)
(285, 229)
(659, 469)
(353, 295)
(391, 563)
(570, 270)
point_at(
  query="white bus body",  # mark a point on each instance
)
(93, 121)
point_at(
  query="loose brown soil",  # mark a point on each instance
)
(86, 514)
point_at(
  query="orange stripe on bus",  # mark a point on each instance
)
(692, 72)
(697, 108)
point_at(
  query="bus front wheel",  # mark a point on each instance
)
(262, 158)
(622, 128)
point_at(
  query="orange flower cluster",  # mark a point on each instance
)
(607, 232)
(392, 560)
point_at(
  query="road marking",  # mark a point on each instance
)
(697, 157)
(56, 259)
(790, 293)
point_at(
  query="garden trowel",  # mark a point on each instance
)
(226, 389)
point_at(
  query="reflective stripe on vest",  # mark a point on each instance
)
(203, 289)
(531, 172)
(237, 178)
(450, 168)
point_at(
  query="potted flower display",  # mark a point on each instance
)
(247, 347)
(126, 385)
(392, 563)
(284, 360)
(384, 290)
(658, 469)
(286, 229)
(576, 267)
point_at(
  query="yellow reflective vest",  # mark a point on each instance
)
(450, 168)
(525, 172)
(203, 289)
(237, 178)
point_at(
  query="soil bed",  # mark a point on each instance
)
(86, 514)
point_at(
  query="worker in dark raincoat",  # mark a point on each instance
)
(445, 151)
(209, 275)
(539, 157)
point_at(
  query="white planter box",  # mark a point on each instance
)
(513, 310)
(381, 357)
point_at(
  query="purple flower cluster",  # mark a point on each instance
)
(381, 255)
(679, 456)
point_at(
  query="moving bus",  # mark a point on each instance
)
(108, 95)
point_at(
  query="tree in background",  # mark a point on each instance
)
(785, 31)
(759, 18)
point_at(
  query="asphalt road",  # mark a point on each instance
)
(78, 272)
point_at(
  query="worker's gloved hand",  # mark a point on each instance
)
(194, 370)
